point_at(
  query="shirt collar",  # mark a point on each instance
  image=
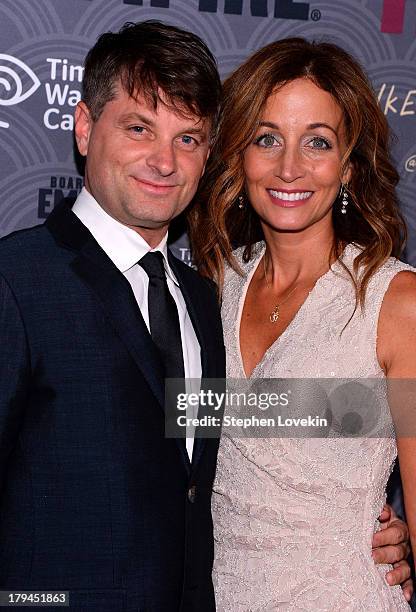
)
(124, 246)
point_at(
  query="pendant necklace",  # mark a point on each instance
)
(275, 313)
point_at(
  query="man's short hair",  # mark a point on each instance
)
(150, 58)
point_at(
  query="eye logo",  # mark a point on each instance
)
(17, 74)
(410, 165)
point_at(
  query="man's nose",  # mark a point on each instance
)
(162, 158)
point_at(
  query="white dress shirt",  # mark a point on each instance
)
(125, 248)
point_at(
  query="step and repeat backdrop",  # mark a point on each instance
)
(43, 45)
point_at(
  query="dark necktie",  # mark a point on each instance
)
(163, 316)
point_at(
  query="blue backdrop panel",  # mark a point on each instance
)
(43, 45)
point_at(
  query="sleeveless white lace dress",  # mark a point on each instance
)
(294, 518)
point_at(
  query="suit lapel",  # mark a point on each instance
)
(113, 290)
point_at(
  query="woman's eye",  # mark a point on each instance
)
(266, 140)
(320, 143)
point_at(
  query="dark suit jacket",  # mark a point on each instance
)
(94, 499)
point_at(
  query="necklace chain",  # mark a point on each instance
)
(275, 313)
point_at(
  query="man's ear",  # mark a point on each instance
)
(83, 126)
(205, 163)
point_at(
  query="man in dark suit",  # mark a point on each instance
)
(94, 314)
(94, 499)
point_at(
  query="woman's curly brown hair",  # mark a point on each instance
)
(373, 221)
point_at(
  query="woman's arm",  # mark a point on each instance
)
(396, 347)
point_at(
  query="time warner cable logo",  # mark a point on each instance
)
(15, 76)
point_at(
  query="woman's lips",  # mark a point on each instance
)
(289, 199)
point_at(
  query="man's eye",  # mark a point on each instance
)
(137, 129)
(266, 140)
(188, 140)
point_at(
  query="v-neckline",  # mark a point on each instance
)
(297, 315)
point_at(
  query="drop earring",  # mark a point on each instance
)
(344, 202)
(240, 202)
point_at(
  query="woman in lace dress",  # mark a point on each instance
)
(303, 181)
